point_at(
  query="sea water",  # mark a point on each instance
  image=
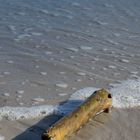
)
(125, 95)
(54, 48)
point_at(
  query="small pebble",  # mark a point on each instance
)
(131, 55)
(104, 68)
(121, 69)
(112, 67)
(44, 11)
(37, 46)
(6, 73)
(6, 94)
(12, 27)
(95, 59)
(72, 56)
(21, 103)
(48, 52)
(134, 72)
(84, 55)
(20, 91)
(23, 83)
(77, 64)
(73, 88)
(62, 94)
(112, 52)
(117, 34)
(104, 49)
(37, 66)
(85, 48)
(36, 60)
(51, 58)
(124, 60)
(134, 76)
(62, 72)
(62, 85)
(19, 96)
(81, 73)
(61, 52)
(79, 80)
(10, 61)
(116, 74)
(43, 73)
(73, 49)
(38, 99)
(36, 33)
(62, 60)
(90, 78)
(58, 37)
(75, 4)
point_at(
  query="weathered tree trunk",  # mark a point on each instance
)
(99, 101)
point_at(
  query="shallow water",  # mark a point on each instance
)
(49, 49)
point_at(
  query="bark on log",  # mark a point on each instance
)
(99, 101)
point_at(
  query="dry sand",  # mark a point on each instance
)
(117, 125)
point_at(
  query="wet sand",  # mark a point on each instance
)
(117, 125)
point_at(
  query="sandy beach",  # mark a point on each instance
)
(119, 124)
(50, 49)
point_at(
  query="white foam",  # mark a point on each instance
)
(126, 94)
(75, 100)
(83, 94)
(18, 113)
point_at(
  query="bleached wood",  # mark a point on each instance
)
(99, 101)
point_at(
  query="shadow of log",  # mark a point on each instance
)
(35, 131)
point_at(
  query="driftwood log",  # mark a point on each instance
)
(98, 102)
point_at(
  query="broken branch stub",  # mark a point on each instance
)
(99, 101)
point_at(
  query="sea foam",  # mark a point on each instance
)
(18, 113)
(125, 95)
